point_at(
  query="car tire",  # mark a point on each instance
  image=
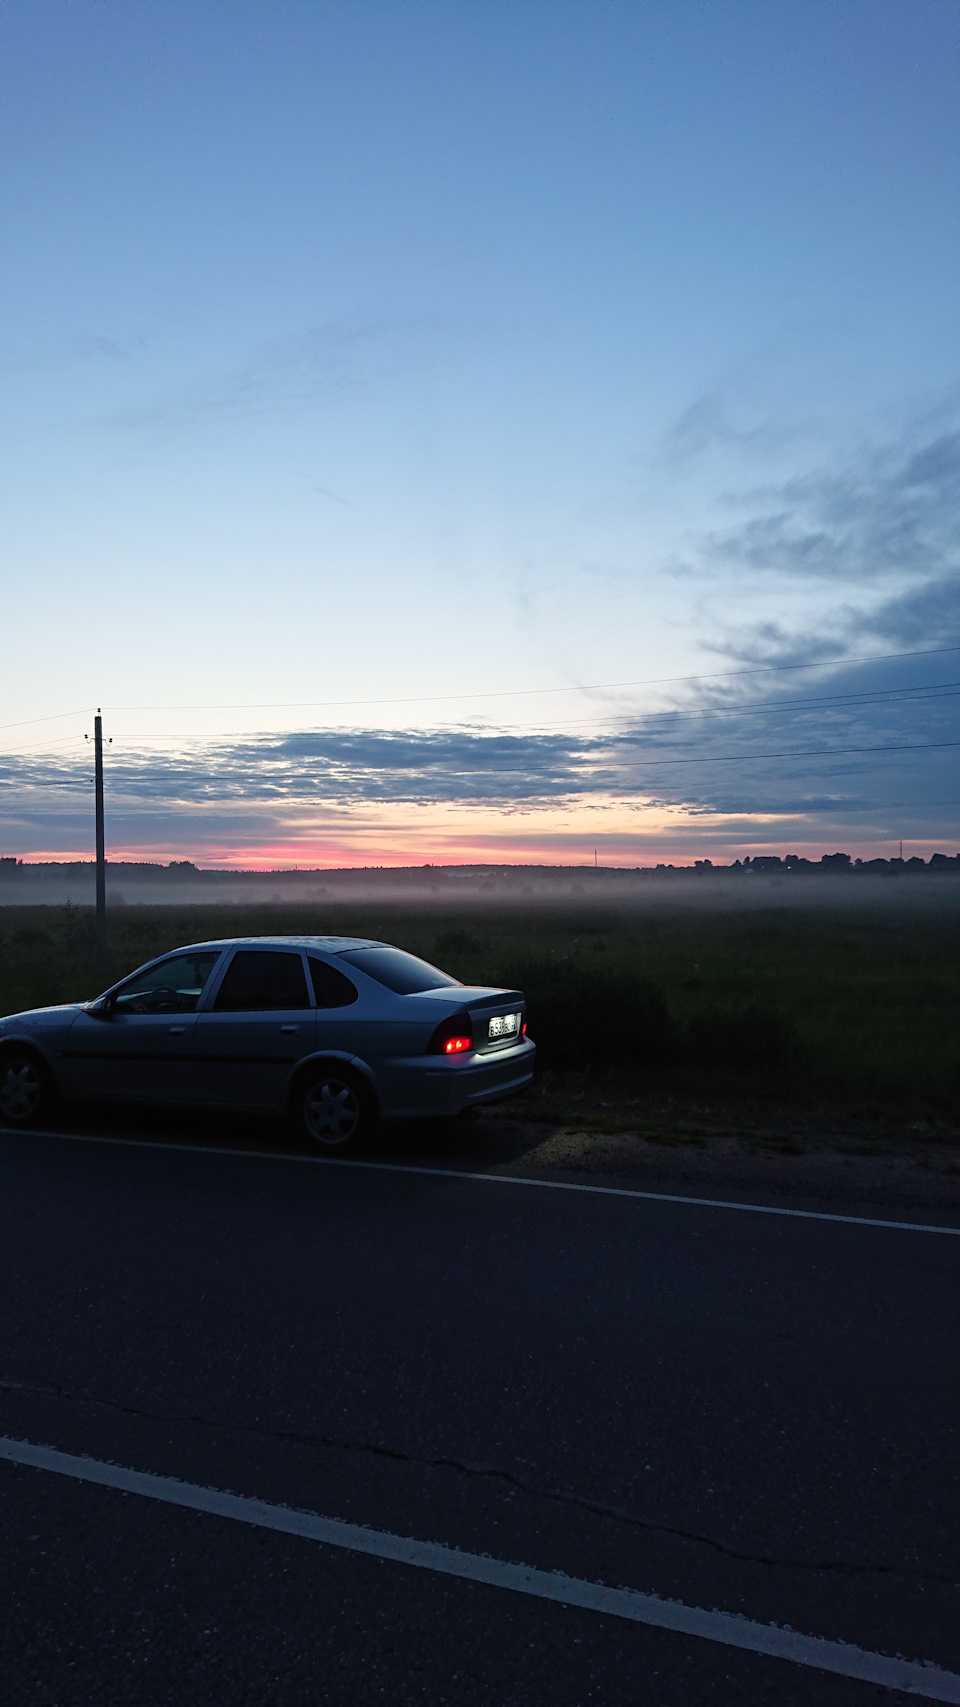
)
(335, 1110)
(26, 1089)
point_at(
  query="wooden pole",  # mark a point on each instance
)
(101, 928)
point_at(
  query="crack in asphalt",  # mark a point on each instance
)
(489, 1472)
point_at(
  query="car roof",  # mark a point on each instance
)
(332, 944)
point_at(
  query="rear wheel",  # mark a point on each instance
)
(26, 1091)
(335, 1110)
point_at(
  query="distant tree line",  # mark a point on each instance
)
(831, 863)
(182, 872)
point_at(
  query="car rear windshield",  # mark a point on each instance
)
(403, 973)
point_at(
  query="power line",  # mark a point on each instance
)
(884, 698)
(640, 764)
(885, 806)
(801, 752)
(865, 700)
(41, 746)
(54, 717)
(506, 693)
(880, 698)
(503, 693)
(718, 759)
(513, 693)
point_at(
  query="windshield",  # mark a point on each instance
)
(402, 973)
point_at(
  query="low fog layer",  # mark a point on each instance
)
(834, 881)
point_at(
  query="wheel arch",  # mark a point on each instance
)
(13, 1045)
(22, 1054)
(308, 1066)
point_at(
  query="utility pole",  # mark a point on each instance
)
(101, 931)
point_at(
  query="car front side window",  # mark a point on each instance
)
(173, 987)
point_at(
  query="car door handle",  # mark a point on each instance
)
(289, 1028)
(177, 1030)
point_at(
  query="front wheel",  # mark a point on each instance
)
(335, 1110)
(26, 1091)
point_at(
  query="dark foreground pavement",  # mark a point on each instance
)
(734, 1410)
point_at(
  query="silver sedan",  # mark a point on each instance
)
(339, 1032)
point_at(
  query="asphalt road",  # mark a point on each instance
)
(737, 1411)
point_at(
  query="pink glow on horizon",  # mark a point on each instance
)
(561, 851)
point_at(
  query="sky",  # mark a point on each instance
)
(446, 431)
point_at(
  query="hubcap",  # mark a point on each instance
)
(331, 1111)
(20, 1089)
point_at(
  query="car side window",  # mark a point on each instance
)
(331, 988)
(261, 981)
(173, 987)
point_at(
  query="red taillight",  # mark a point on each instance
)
(452, 1037)
(523, 1029)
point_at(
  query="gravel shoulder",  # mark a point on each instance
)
(829, 1160)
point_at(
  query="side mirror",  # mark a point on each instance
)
(104, 1008)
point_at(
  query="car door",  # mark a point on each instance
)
(136, 1045)
(260, 1020)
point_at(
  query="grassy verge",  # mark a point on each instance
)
(633, 1010)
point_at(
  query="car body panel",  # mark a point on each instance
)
(255, 1059)
(245, 1059)
(449, 1084)
(130, 1057)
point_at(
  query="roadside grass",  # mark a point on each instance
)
(641, 1016)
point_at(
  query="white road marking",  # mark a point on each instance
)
(491, 1179)
(912, 1677)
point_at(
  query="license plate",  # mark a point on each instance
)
(505, 1025)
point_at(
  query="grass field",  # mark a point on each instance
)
(856, 1010)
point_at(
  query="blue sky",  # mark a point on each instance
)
(381, 380)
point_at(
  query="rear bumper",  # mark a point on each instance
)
(435, 1085)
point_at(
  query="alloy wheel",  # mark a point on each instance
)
(331, 1111)
(21, 1089)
